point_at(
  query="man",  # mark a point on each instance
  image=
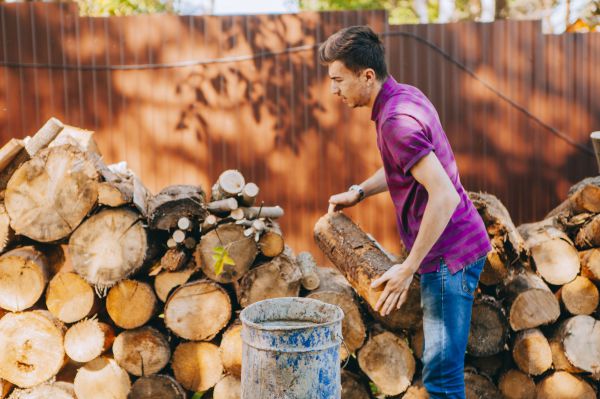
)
(438, 224)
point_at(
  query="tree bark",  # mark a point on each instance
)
(174, 202)
(531, 352)
(361, 262)
(24, 273)
(583, 197)
(88, 339)
(555, 257)
(589, 235)
(590, 264)
(141, 352)
(388, 361)
(174, 259)
(118, 232)
(565, 386)
(531, 302)
(7, 235)
(489, 327)
(580, 338)
(559, 359)
(157, 386)
(32, 348)
(241, 249)
(70, 298)
(120, 189)
(197, 365)
(231, 349)
(336, 291)
(102, 378)
(198, 310)
(230, 387)
(515, 384)
(130, 304)
(580, 296)
(280, 277)
(49, 196)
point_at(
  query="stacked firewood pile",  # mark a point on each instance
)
(534, 331)
(140, 293)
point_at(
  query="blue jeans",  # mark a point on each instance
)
(447, 300)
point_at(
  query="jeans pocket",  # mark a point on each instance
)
(470, 276)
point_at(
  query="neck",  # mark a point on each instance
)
(374, 93)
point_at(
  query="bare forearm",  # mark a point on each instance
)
(375, 184)
(438, 211)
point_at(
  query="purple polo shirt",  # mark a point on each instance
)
(408, 128)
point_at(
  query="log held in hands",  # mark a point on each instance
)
(353, 253)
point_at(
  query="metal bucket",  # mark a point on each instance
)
(291, 349)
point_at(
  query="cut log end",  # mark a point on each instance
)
(102, 378)
(130, 304)
(142, 351)
(197, 365)
(157, 386)
(87, 340)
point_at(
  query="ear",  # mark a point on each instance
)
(369, 75)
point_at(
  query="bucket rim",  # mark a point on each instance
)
(339, 316)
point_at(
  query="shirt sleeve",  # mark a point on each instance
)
(406, 141)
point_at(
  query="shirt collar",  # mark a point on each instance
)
(385, 92)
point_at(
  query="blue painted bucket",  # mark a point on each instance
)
(291, 349)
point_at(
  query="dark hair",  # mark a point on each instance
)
(357, 47)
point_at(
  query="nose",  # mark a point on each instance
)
(335, 89)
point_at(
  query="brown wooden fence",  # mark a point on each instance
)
(183, 98)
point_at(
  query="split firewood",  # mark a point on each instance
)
(197, 365)
(143, 351)
(589, 234)
(70, 298)
(118, 232)
(255, 212)
(271, 242)
(166, 281)
(175, 202)
(80, 138)
(49, 196)
(157, 386)
(231, 349)
(16, 152)
(222, 206)
(335, 290)
(174, 259)
(277, 278)
(308, 268)
(7, 235)
(565, 386)
(88, 339)
(479, 386)
(580, 296)
(24, 273)
(590, 264)
(531, 352)
(130, 304)
(553, 252)
(380, 351)
(32, 347)
(510, 246)
(249, 194)
(198, 310)
(353, 253)
(230, 184)
(531, 302)
(580, 339)
(230, 238)
(102, 378)
(56, 390)
(230, 387)
(489, 327)
(583, 197)
(120, 189)
(352, 387)
(515, 384)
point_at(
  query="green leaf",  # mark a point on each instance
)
(221, 258)
(198, 395)
(374, 389)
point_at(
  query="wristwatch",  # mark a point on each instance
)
(359, 189)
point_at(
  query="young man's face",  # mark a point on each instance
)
(354, 88)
